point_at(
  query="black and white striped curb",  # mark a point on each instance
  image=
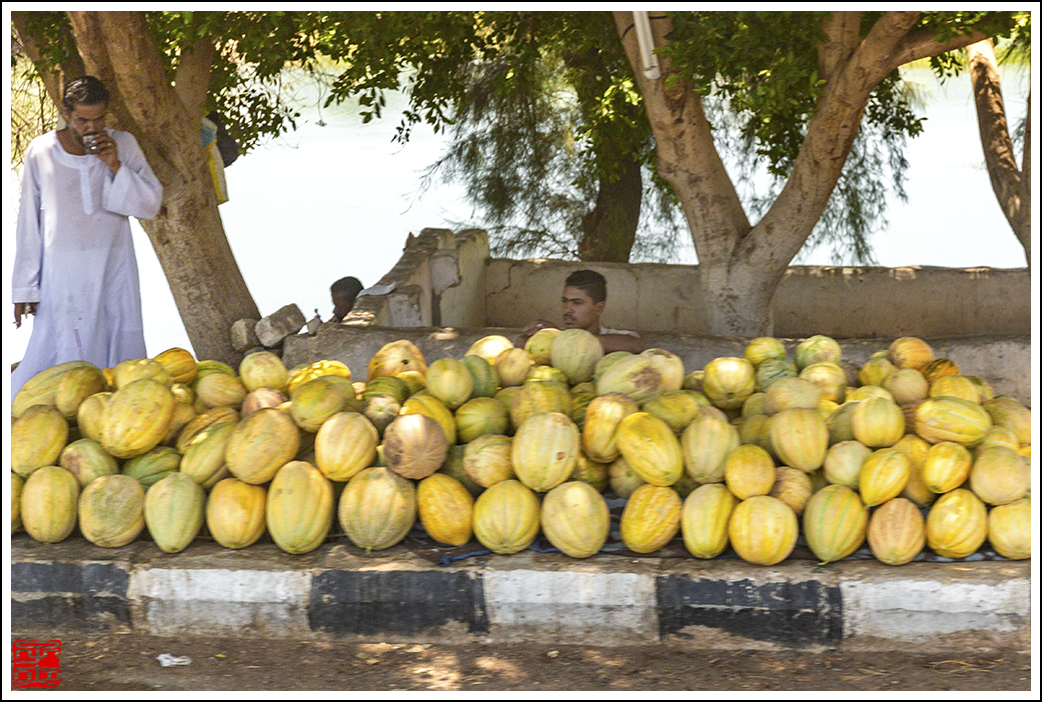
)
(334, 593)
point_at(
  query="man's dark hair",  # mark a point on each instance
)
(350, 285)
(87, 90)
(589, 281)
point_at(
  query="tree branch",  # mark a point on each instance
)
(1006, 178)
(192, 80)
(54, 77)
(90, 44)
(841, 39)
(687, 155)
(920, 43)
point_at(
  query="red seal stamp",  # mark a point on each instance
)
(36, 664)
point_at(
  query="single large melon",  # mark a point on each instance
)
(263, 369)
(112, 511)
(896, 531)
(651, 448)
(951, 419)
(1000, 475)
(479, 416)
(179, 363)
(299, 510)
(835, 521)
(728, 381)
(1009, 529)
(174, 511)
(763, 530)
(449, 380)
(575, 352)
(49, 504)
(575, 519)
(748, 471)
(377, 508)
(445, 508)
(957, 524)
(396, 357)
(136, 418)
(414, 446)
(75, 386)
(149, 468)
(706, 444)
(487, 460)
(800, 438)
(315, 401)
(651, 518)
(345, 445)
(633, 375)
(260, 444)
(884, 475)
(203, 460)
(130, 370)
(704, 519)
(87, 460)
(506, 517)
(545, 450)
(235, 513)
(37, 439)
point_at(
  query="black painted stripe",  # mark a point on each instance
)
(395, 602)
(70, 612)
(794, 614)
(75, 578)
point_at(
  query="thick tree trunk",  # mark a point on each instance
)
(187, 235)
(741, 265)
(610, 228)
(1010, 183)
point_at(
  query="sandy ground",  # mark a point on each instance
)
(129, 662)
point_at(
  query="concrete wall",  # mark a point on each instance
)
(842, 302)
(438, 281)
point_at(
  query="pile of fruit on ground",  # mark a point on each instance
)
(752, 453)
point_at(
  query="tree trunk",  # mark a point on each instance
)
(610, 228)
(187, 235)
(1009, 182)
(741, 265)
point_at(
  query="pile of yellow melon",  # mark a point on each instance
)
(508, 442)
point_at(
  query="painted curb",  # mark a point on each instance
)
(336, 593)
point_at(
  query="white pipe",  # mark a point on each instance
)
(647, 45)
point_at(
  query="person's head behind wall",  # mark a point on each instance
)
(583, 300)
(344, 292)
(84, 104)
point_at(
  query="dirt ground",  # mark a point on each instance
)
(129, 662)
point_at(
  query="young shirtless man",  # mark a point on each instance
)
(582, 302)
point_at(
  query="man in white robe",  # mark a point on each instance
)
(75, 268)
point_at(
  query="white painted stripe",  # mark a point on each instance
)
(222, 602)
(903, 609)
(570, 606)
(221, 585)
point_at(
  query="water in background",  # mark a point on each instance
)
(338, 197)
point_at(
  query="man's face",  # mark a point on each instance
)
(580, 311)
(86, 119)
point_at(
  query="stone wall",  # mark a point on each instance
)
(841, 302)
